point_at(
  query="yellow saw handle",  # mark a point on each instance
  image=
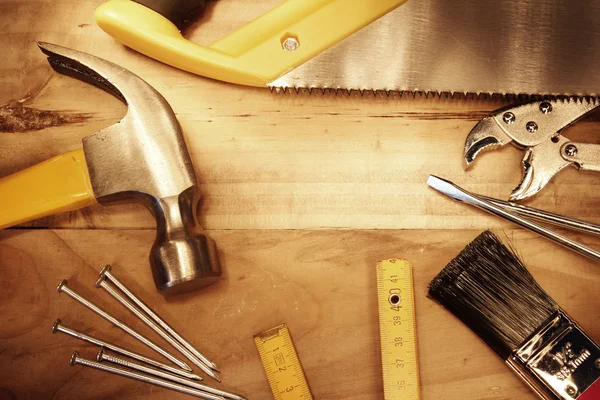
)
(253, 55)
(59, 184)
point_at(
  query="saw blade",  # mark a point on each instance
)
(545, 47)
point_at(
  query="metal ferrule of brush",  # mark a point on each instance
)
(559, 361)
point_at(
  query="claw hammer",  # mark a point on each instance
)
(142, 158)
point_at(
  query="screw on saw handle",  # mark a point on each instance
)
(254, 55)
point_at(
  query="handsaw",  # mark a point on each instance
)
(547, 47)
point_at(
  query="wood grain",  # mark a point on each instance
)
(320, 283)
(268, 161)
(303, 194)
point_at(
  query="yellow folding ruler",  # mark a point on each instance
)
(397, 330)
(280, 361)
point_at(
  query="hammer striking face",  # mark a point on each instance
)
(143, 158)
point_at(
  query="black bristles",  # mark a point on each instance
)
(488, 288)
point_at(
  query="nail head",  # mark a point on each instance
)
(61, 285)
(100, 355)
(56, 325)
(101, 279)
(106, 269)
(74, 357)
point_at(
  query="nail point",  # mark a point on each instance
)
(186, 367)
(196, 377)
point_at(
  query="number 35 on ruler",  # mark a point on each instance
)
(397, 330)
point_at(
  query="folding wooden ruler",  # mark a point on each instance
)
(397, 330)
(280, 361)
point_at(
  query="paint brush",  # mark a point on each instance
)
(489, 289)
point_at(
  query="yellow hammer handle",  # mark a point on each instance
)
(254, 54)
(59, 184)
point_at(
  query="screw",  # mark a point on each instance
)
(509, 118)
(597, 363)
(59, 327)
(571, 391)
(77, 360)
(571, 150)
(545, 107)
(103, 356)
(145, 319)
(62, 287)
(107, 272)
(531, 127)
(290, 44)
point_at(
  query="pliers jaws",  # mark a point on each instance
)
(536, 128)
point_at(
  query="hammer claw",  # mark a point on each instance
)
(144, 157)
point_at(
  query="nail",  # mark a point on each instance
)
(103, 356)
(104, 284)
(59, 327)
(107, 272)
(62, 287)
(76, 359)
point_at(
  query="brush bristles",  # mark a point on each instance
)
(488, 288)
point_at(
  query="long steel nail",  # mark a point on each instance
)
(62, 287)
(103, 356)
(59, 327)
(104, 284)
(107, 272)
(76, 359)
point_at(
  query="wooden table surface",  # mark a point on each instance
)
(303, 195)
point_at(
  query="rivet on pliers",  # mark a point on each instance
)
(531, 127)
(546, 150)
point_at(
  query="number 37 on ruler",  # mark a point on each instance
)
(397, 330)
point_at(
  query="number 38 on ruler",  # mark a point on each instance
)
(397, 330)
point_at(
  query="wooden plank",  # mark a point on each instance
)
(264, 161)
(320, 283)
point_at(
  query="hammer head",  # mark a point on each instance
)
(144, 158)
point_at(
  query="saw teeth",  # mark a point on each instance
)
(512, 98)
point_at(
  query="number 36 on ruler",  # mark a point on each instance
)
(397, 330)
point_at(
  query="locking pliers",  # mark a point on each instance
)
(537, 128)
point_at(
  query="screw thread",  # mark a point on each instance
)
(145, 308)
(166, 375)
(101, 343)
(145, 378)
(150, 323)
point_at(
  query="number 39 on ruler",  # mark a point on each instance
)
(397, 330)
